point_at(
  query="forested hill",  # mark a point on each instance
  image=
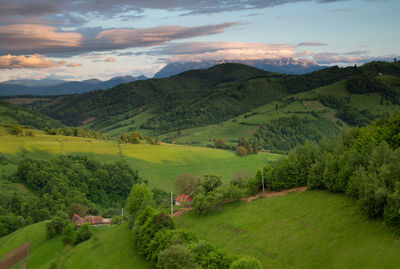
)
(198, 97)
(13, 114)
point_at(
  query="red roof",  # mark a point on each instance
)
(93, 220)
(183, 198)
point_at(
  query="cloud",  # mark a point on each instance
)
(35, 61)
(204, 51)
(74, 65)
(145, 37)
(29, 39)
(349, 58)
(32, 38)
(110, 60)
(311, 44)
(116, 8)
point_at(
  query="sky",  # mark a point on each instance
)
(84, 39)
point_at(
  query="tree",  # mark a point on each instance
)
(56, 226)
(78, 209)
(68, 235)
(185, 183)
(246, 263)
(241, 151)
(211, 182)
(84, 233)
(176, 257)
(244, 143)
(220, 143)
(139, 197)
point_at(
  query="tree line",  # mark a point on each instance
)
(363, 163)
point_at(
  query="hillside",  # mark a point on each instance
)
(320, 117)
(313, 229)
(198, 106)
(159, 164)
(13, 114)
(49, 253)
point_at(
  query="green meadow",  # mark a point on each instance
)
(159, 164)
(313, 229)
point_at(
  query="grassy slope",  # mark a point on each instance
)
(42, 252)
(314, 229)
(246, 124)
(114, 247)
(160, 165)
(113, 250)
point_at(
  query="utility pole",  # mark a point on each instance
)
(122, 220)
(262, 176)
(172, 205)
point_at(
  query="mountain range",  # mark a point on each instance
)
(60, 87)
(281, 65)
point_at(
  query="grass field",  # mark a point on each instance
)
(159, 164)
(114, 249)
(314, 229)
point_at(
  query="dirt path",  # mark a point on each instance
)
(267, 194)
(15, 255)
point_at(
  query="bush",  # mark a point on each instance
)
(16, 130)
(246, 263)
(68, 235)
(220, 143)
(177, 257)
(241, 151)
(56, 226)
(84, 233)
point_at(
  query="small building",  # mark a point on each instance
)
(183, 199)
(93, 220)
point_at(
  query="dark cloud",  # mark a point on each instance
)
(26, 8)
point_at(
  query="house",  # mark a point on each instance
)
(93, 220)
(182, 199)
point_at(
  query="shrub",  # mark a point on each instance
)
(177, 257)
(84, 233)
(241, 151)
(220, 143)
(16, 130)
(68, 235)
(246, 263)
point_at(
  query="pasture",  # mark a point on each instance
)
(313, 229)
(159, 164)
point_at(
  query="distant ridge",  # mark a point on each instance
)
(282, 65)
(60, 87)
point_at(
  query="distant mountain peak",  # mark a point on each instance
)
(280, 65)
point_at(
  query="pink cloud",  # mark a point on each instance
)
(205, 51)
(35, 61)
(110, 60)
(74, 65)
(36, 36)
